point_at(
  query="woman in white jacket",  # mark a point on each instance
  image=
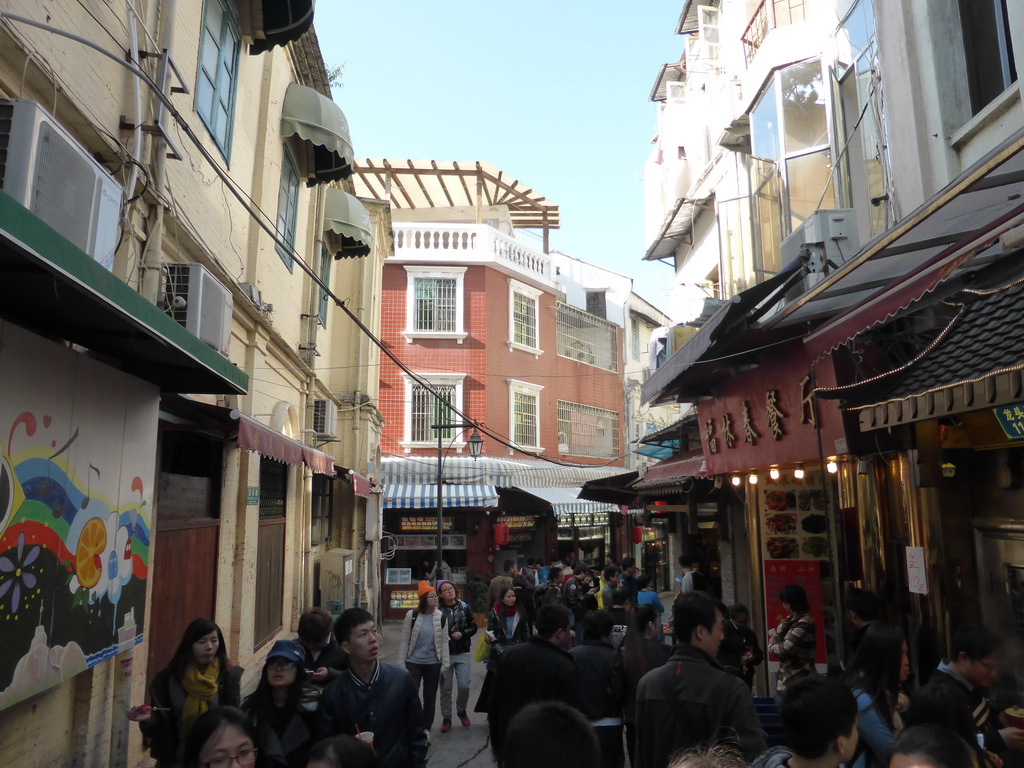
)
(424, 648)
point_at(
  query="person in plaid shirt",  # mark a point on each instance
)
(794, 640)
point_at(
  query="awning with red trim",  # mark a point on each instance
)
(256, 436)
(671, 472)
(360, 485)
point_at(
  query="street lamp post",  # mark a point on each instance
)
(476, 444)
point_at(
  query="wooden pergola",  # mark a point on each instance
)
(452, 184)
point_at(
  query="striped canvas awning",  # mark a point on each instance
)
(424, 496)
(504, 473)
(566, 501)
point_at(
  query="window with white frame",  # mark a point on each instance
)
(435, 303)
(218, 72)
(587, 431)
(426, 407)
(524, 413)
(524, 303)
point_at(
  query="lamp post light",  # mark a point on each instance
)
(476, 445)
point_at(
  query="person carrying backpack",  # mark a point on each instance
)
(461, 628)
(424, 649)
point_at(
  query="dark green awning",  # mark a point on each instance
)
(322, 127)
(50, 287)
(346, 225)
(277, 22)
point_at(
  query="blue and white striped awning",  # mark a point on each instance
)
(566, 501)
(424, 496)
(504, 473)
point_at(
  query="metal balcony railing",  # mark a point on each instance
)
(769, 15)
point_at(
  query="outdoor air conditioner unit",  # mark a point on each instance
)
(325, 418)
(829, 234)
(55, 177)
(200, 303)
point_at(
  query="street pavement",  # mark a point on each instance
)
(460, 747)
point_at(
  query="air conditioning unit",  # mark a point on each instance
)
(325, 418)
(828, 233)
(200, 303)
(55, 177)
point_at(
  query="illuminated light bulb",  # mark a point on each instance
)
(798, 473)
(736, 480)
(832, 467)
(752, 479)
(774, 474)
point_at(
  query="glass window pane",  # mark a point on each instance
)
(810, 185)
(803, 106)
(767, 219)
(764, 126)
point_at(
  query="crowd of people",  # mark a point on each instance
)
(581, 669)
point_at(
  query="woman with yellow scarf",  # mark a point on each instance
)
(199, 678)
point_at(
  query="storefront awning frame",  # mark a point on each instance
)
(424, 496)
(51, 287)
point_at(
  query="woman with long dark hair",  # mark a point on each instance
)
(794, 640)
(284, 728)
(424, 649)
(874, 675)
(507, 625)
(199, 678)
(461, 628)
(641, 652)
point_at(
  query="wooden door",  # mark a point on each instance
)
(184, 577)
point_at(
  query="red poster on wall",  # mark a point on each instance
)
(806, 573)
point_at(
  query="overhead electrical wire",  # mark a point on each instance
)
(261, 219)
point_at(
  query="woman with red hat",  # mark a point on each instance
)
(424, 648)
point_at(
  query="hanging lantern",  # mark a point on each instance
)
(500, 534)
(637, 534)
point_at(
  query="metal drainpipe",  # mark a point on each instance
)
(150, 288)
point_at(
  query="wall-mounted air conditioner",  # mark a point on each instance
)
(828, 233)
(51, 174)
(325, 418)
(200, 303)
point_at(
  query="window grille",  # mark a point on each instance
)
(428, 410)
(524, 413)
(524, 321)
(435, 305)
(587, 338)
(273, 485)
(589, 431)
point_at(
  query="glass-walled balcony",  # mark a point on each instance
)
(471, 243)
(769, 15)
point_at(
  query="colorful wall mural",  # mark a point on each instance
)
(77, 454)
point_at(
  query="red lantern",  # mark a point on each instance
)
(638, 534)
(500, 534)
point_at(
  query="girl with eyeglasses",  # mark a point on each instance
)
(221, 738)
(199, 678)
(283, 726)
(424, 649)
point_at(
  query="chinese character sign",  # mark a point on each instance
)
(1011, 419)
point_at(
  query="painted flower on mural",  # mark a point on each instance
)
(16, 580)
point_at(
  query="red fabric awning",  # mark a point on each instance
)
(360, 485)
(673, 471)
(256, 436)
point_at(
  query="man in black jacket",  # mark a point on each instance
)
(595, 660)
(740, 652)
(966, 678)
(692, 700)
(324, 659)
(373, 696)
(541, 669)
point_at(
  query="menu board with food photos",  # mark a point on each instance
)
(795, 527)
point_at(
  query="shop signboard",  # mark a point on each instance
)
(398, 576)
(429, 541)
(424, 523)
(404, 599)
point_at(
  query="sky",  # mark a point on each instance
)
(554, 93)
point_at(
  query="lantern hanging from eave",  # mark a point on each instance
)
(637, 534)
(501, 534)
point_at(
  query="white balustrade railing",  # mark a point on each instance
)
(476, 242)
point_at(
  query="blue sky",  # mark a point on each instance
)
(554, 93)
